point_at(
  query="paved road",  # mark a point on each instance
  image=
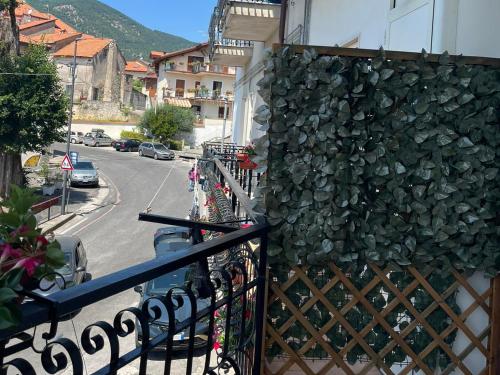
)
(114, 239)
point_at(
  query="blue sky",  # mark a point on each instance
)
(186, 18)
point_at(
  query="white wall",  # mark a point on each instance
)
(478, 28)
(340, 21)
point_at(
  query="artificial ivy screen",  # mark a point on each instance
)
(382, 161)
(378, 161)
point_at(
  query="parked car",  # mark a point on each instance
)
(74, 272)
(84, 173)
(168, 241)
(156, 151)
(97, 139)
(76, 137)
(127, 145)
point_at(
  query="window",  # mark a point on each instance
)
(180, 85)
(95, 93)
(221, 112)
(68, 90)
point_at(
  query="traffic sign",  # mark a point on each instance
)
(74, 156)
(66, 164)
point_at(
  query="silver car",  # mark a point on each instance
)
(97, 139)
(84, 173)
(76, 137)
(74, 272)
(156, 151)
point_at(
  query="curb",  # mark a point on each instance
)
(56, 223)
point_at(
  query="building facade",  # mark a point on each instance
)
(185, 78)
(242, 31)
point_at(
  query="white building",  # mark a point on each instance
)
(186, 79)
(241, 31)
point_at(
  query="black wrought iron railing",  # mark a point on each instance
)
(227, 288)
(242, 182)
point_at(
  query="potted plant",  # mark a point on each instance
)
(48, 188)
(26, 256)
(58, 181)
(244, 157)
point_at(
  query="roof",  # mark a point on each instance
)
(178, 102)
(47, 38)
(169, 55)
(136, 66)
(85, 48)
(24, 9)
(29, 25)
(151, 75)
(64, 26)
(156, 54)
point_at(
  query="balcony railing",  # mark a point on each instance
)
(241, 182)
(230, 276)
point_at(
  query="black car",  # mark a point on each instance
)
(127, 145)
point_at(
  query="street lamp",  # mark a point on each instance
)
(70, 120)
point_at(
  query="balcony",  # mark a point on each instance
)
(252, 20)
(231, 52)
(230, 277)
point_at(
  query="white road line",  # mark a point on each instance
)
(118, 200)
(148, 207)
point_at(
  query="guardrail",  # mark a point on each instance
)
(236, 287)
(44, 211)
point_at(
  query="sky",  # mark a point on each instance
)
(186, 18)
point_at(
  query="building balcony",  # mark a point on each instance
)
(253, 20)
(231, 52)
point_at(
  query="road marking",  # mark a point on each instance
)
(148, 207)
(113, 205)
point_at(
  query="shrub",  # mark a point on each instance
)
(127, 134)
(175, 145)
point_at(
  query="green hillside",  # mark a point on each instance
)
(98, 19)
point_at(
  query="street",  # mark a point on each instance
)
(114, 239)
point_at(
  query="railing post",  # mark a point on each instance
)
(203, 271)
(260, 308)
(250, 176)
(48, 214)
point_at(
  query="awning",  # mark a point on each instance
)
(178, 102)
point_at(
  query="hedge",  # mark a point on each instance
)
(127, 134)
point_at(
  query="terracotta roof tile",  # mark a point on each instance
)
(156, 54)
(47, 38)
(29, 25)
(64, 26)
(24, 9)
(181, 52)
(136, 66)
(85, 48)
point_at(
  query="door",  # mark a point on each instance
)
(180, 86)
(410, 25)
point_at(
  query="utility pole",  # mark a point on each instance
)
(224, 126)
(70, 120)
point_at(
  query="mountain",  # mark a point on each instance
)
(98, 19)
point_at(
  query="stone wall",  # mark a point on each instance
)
(93, 110)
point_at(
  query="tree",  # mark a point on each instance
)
(33, 109)
(167, 121)
(137, 85)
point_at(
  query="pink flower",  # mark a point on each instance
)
(248, 314)
(22, 230)
(218, 185)
(216, 313)
(217, 345)
(203, 232)
(8, 251)
(245, 226)
(41, 241)
(29, 265)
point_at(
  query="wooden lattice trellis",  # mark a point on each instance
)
(374, 360)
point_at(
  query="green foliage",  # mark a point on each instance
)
(175, 145)
(137, 85)
(95, 18)
(166, 121)
(33, 108)
(26, 254)
(382, 161)
(127, 134)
